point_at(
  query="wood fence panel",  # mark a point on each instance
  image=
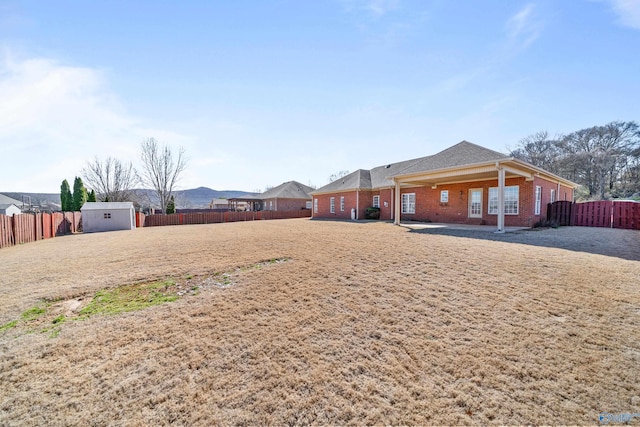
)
(6, 231)
(220, 217)
(560, 212)
(37, 224)
(626, 215)
(607, 213)
(46, 226)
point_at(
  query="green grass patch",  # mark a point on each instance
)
(9, 325)
(33, 313)
(130, 298)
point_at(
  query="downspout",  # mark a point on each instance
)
(357, 204)
(391, 202)
(397, 218)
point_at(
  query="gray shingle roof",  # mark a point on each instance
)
(8, 200)
(463, 153)
(287, 190)
(358, 179)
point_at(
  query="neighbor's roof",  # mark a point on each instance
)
(6, 200)
(89, 206)
(4, 206)
(287, 190)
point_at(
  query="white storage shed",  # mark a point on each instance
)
(108, 216)
(9, 209)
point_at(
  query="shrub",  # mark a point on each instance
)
(372, 213)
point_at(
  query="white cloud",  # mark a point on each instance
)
(376, 7)
(628, 12)
(54, 117)
(523, 28)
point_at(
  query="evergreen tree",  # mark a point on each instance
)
(79, 194)
(66, 198)
(171, 206)
(92, 196)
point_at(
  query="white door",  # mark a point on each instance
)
(475, 203)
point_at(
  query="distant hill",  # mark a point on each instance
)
(194, 198)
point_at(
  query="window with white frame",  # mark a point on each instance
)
(553, 196)
(538, 199)
(376, 201)
(332, 205)
(511, 199)
(341, 203)
(444, 196)
(409, 203)
(308, 204)
(315, 205)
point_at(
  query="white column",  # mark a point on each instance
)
(396, 219)
(500, 200)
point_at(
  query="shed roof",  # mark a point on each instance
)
(102, 206)
(4, 206)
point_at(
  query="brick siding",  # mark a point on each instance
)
(281, 204)
(456, 210)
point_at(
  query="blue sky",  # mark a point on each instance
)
(262, 92)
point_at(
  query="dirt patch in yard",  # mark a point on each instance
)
(364, 324)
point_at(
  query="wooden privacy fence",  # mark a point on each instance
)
(603, 213)
(25, 228)
(219, 217)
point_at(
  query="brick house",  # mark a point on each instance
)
(288, 196)
(465, 183)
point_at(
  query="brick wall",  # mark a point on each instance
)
(350, 202)
(456, 210)
(281, 204)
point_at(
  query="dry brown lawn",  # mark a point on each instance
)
(363, 324)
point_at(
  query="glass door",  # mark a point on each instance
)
(475, 203)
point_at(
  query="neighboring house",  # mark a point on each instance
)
(288, 196)
(219, 204)
(6, 200)
(458, 185)
(107, 216)
(9, 209)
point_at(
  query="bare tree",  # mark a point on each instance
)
(338, 175)
(112, 180)
(161, 169)
(604, 159)
(539, 150)
(602, 156)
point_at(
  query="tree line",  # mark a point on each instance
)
(112, 180)
(604, 160)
